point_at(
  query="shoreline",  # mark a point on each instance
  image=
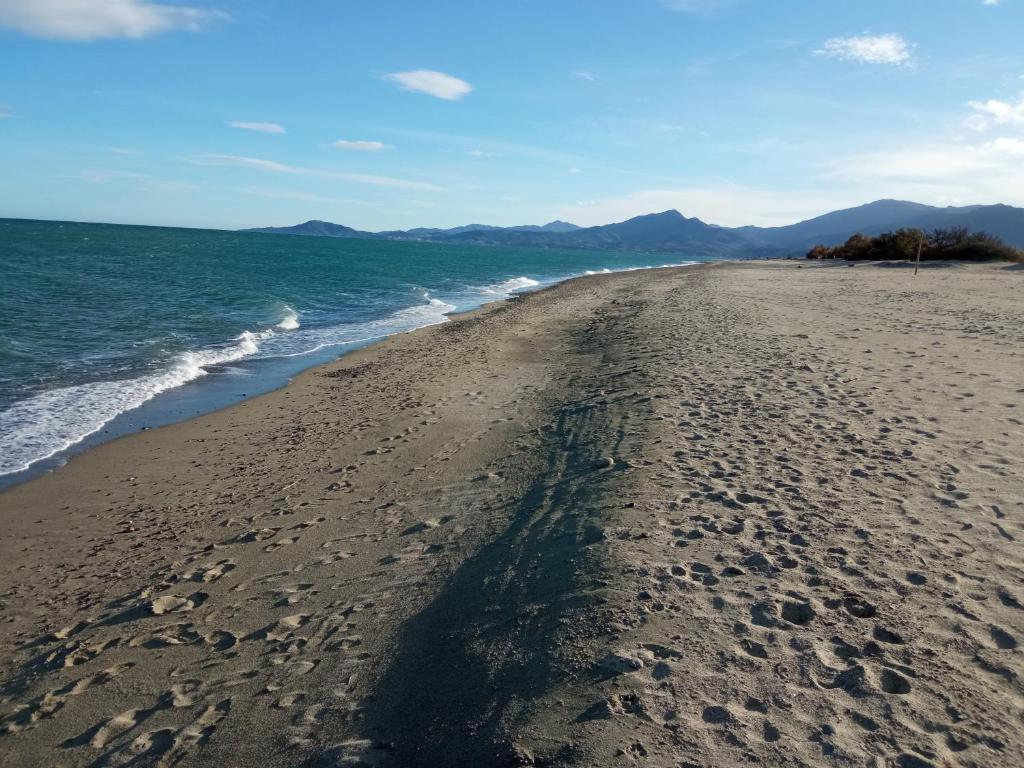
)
(209, 394)
(671, 515)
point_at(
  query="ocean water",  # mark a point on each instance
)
(97, 321)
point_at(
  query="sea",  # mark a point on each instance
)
(109, 329)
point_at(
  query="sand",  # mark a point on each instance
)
(742, 514)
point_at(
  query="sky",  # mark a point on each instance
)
(393, 114)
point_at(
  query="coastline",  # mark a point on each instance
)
(253, 376)
(628, 509)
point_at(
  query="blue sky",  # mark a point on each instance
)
(388, 114)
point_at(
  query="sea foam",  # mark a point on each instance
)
(511, 286)
(289, 319)
(45, 424)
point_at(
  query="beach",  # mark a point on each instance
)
(745, 513)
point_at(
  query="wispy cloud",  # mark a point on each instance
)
(258, 127)
(259, 164)
(993, 112)
(433, 83)
(490, 145)
(360, 146)
(943, 171)
(299, 195)
(387, 181)
(696, 6)
(869, 49)
(583, 74)
(84, 20)
(106, 176)
(244, 162)
(126, 151)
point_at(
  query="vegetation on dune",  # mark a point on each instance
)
(955, 243)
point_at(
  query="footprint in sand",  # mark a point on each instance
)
(280, 543)
(210, 572)
(175, 603)
(51, 703)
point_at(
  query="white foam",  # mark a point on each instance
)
(46, 424)
(308, 341)
(607, 271)
(289, 320)
(511, 286)
(43, 425)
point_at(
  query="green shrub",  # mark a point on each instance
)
(956, 243)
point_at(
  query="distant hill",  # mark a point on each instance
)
(671, 232)
(666, 232)
(836, 227)
(428, 233)
(314, 228)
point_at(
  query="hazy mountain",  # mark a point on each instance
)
(1003, 221)
(836, 227)
(314, 228)
(671, 232)
(551, 226)
(666, 232)
(431, 233)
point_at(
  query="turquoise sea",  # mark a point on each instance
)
(106, 329)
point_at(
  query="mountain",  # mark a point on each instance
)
(665, 232)
(1003, 221)
(551, 226)
(314, 228)
(670, 232)
(429, 233)
(832, 228)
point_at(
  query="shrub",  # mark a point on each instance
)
(902, 245)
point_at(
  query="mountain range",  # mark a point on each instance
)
(672, 232)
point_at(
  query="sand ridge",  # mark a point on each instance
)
(761, 513)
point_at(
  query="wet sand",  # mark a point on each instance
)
(757, 513)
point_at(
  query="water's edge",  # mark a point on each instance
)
(222, 388)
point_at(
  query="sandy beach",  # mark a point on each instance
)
(761, 513)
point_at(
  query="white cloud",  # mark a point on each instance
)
(360, 146)
(695, 6)
(575, 170)
(918, 163)
(868, 49)
(430, 82)
(104, 176)
(299, 195)
(387, 181)
(95, 19)
(244, 162)
(171, 185)
(126, 151)
(583, 74)
(256, 163)
(1013, 147)
(990, 2)
(945, 171)
(258, 127)
(991, 172)
(994, 112)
